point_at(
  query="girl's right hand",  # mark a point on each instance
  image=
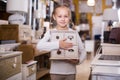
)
(65, 45)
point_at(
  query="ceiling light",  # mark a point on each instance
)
(90, 2)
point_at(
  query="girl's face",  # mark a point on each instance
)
(62, 17)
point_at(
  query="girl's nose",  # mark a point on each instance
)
(63, 18)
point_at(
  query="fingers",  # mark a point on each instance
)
(69, 45)
(65, 45)
(64, 39)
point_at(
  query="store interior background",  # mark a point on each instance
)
(87, 20)
(82, 14)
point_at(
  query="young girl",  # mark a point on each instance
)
(62, 69)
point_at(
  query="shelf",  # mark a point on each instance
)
(42, 62)
(42, 72)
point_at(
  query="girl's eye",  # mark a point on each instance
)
(59, 16)
(65, 16)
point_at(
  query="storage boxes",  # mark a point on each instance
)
(29, 71)
(10, 65)
(71, 53)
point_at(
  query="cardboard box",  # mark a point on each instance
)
(71, 53)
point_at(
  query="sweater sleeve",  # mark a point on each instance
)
(45, 44)
(81, 50)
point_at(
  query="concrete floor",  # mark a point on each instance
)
(83, 70)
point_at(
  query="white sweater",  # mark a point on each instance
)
(59, 66)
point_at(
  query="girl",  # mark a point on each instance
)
(62, 69)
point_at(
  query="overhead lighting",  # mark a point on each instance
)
(18, 8)
(90, 2)
(110, 14)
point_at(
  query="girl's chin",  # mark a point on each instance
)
(63, 26)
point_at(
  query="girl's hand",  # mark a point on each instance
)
(65, 45)
(73, 61)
